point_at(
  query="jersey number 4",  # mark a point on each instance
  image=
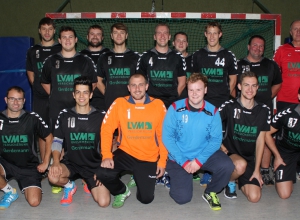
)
(220, 62)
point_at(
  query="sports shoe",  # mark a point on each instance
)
(120, 199)
(229, 191)
(196, 176)
(206, 179)
(56, 189)
(212, 200)
(131, 182)
(267, 178)
(68, 195)
(159, 181)
(86, 188)
(166, 180)
(298, 176)
(8, 198)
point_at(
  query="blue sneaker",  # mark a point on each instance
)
(166, 180)
(229, 191)
(8, 198)
(159, 181)
(206, 179)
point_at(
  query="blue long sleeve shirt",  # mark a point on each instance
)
(190, 135)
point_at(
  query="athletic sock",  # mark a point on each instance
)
(69, 184)
(264, 170)
(7, 188)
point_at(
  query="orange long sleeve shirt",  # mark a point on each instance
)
(140, 126)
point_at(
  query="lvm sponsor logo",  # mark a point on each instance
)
(16, 140)
(294, 136)
(119, 71)
(212, 71)
(161, 74)
(82, 136)
(139, 125)
(66, 78)
(245, 130)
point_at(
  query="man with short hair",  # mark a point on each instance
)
(286, 150)
(164, 67)
(36, 55)
(95, 36)
(60, 70)
(220, 67)
(79, 129)
(287, 57)
(18, 150)
(180, 43)
(245, 123)
(116, 65)
(141, 149)
(192, 134)
(269, 77)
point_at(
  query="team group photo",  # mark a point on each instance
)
(106, 124)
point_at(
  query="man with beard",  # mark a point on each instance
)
(95, 36)
(36, 55)
(141, 149)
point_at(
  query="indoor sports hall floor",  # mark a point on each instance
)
(163, 207)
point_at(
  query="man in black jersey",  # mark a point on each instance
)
(116, 65)
(245, 123)
(220, 67)
(164, 67)
(286, 151)
(95, 36)
(79, 129)
(18, 150)
(269, 77)
(36, 55)
(218, 64)
(60, 70)
(180, 43)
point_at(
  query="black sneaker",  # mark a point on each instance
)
(268, 180)
(212, 200)
(229, 191)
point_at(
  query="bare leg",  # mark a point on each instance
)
(33, 196)
(101, 195)
(284, 189)
(252, 192)
(240, 166)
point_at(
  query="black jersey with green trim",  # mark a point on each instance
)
(81, 135)
(217, 66)
(288, 121)
(116, 69)
(35, 58)
(268, 74)
(17, 142)
(162, 70)
(188, 72)
(98, 98)
(60, 72)
(242, 126)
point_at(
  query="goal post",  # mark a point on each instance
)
(237, 28)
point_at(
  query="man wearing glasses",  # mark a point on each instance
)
(18, 150)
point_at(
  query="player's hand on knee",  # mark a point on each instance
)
(42, 167)
(224, 149)
(55, 170)
(107, 163)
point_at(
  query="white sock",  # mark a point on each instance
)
(69, 184)
(7, 188)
